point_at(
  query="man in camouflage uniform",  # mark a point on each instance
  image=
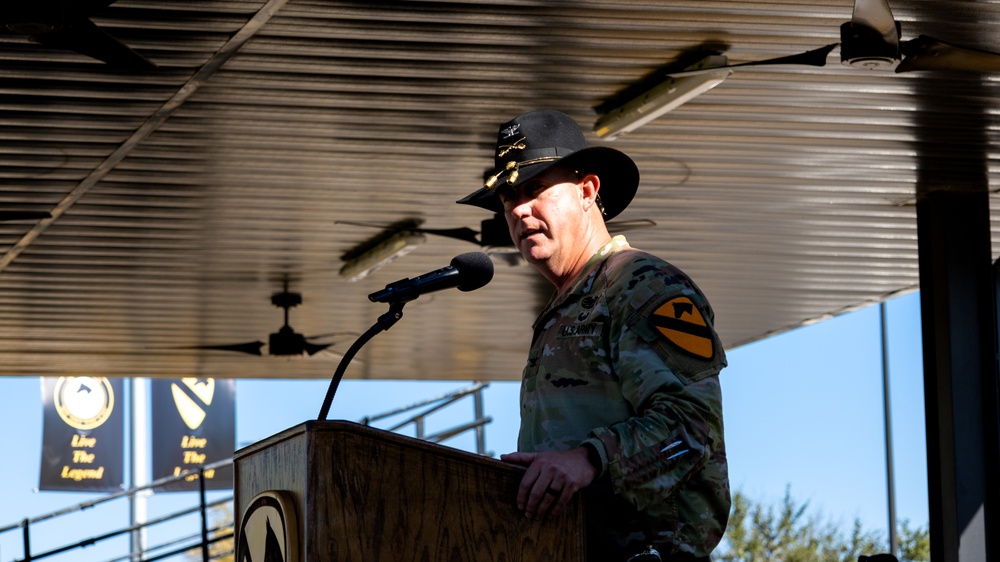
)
(620, 397)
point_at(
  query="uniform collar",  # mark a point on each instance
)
(585, 279)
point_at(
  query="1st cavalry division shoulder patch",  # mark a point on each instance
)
(680, 321)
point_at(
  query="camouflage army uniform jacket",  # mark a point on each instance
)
(627, 360)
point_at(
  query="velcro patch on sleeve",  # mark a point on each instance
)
(682, 324)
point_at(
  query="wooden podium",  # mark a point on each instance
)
(365, 495)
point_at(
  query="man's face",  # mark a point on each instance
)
(544, 216)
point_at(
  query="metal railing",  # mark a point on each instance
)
(434, 404)
(197, 545)
(203, 538)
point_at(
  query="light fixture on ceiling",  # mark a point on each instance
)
(663, 97)
(379, 252)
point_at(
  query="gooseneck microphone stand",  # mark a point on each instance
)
(383, 323)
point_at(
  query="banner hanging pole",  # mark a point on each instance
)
(138, 464)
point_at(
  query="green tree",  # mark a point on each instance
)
(914, 544)
(787, 533)
(220, 523)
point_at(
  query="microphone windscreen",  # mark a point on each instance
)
(475, 269)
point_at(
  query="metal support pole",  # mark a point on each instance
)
(953, 157)
(479, 411)
(957, 311)
(890, 472)
(139, 464)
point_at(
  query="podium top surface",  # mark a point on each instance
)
(334, 429)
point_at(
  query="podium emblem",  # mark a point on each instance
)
(267, 530)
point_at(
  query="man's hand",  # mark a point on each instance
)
(551, 480)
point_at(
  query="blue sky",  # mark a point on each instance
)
(803, 411)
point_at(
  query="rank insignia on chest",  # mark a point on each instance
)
(681, 323)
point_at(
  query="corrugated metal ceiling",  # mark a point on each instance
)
(183, 197)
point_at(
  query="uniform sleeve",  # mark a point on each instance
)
(668, 358)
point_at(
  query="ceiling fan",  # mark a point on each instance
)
(493, 235)
(286, 341)
(872, 40)
(66, 24)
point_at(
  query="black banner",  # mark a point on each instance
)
(194, 423)
(82, 437)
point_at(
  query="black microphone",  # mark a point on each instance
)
(468, 272)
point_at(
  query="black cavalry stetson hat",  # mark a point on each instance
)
(536, 141)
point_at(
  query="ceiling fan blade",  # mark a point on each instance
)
(464, 233)
(814, 57)
(84, 37)
(876, 15)
(42, 16)
(250, 348)
(24, 215)
(622, 226)
(314, 348)
(332, 335)
(399, 225)
(928, 53)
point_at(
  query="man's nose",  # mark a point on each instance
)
(522, 206)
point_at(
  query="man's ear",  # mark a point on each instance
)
(590, 185)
